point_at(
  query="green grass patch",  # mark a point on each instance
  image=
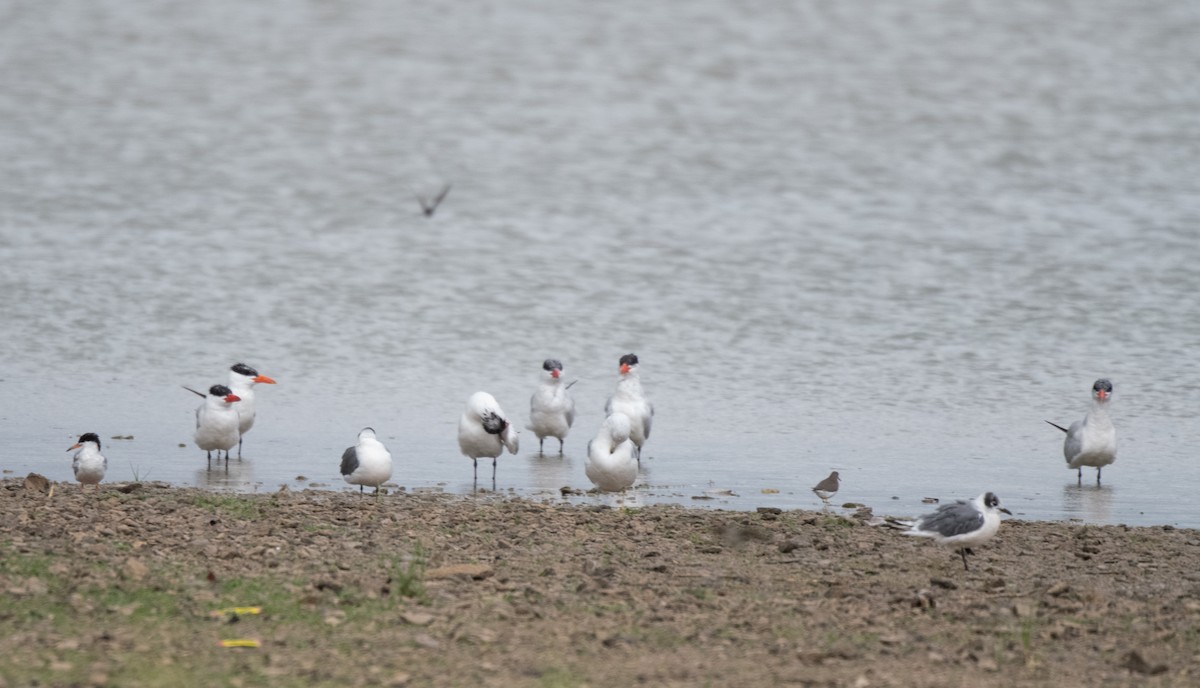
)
(559, 677)
(236, 506)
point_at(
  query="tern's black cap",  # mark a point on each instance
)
(89, 437)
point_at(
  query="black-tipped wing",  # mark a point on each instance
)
(349, 461)
(199, 394)
(952, 519)
(492, 423)
(1059, 426)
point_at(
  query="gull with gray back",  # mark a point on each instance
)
(962, 525)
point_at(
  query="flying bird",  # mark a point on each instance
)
(1093, 440)
(551, 408)
(429, 207)
(485, 432)
(367, 463)
(631, 400)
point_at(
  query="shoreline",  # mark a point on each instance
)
(444, 589)
(642, 496)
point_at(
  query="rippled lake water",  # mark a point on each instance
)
(888, 240)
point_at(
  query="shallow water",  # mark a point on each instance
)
(884, 240)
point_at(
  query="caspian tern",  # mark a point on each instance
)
(89, 464)
(610, 463)
(630, 400)
(963, 524)
(551, 408)
(367, 463)
(827, 487)
(217, 421)
(1093, 440)
(484, 431)
(242, 379)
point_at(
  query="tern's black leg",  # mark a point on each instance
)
(475, 484)
(1098, 475)
(1080, 479)
(541, 440)
(963, 552)
(560, 446)
(493, 474)
(239, 447)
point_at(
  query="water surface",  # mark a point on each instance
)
(886, 240)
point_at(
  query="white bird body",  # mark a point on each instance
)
(484, 430)
(242, 379)
(217, 421)
(551, 408)
(1093, 440)
(367, 463)
(611, 465)
(88, 464)
(963, 524)
(630, 400)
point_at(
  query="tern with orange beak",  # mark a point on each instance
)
(1093, 440)
(242, 379)
(551, 408)
(217, 422)
(89, 464)
(630, 400)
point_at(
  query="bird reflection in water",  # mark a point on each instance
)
(1092, 503)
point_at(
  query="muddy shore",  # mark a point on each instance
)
(135, 585)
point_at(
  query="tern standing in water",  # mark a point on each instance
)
(484, 431)
(1093, 440)
(217, 422)
(630, 400)
(551, 408)
(610, 463)
(242, 379)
